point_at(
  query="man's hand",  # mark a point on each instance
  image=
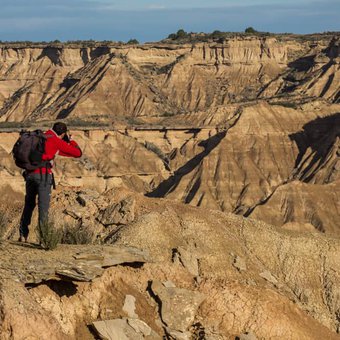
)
(66, 138)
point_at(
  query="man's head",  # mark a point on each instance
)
(60, 129)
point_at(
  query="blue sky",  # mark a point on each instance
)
(152, 20)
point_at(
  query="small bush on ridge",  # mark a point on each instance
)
(48, 236)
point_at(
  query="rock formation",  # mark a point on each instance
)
(177, 141)
(105, 82)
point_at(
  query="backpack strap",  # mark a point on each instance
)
(47, 166)
(53, 182)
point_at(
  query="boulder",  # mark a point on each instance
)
(178, 306)
(125, 329)
(130, 306)
(122, 212)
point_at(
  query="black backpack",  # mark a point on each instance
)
(28, 150)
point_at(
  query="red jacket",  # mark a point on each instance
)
(55, 145)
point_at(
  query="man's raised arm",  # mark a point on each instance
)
(70, 149)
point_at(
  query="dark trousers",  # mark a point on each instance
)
(36, 185)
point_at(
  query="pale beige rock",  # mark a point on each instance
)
(82, 273)
(178, 306)
(128, 329)
(69, 264)
(130, 307)
(113, 256)
(119, 213)
(239, 263)
(115, 329)
(179, 335)
(188, 260)
(269, 277)
(248, 336)
(140, 326)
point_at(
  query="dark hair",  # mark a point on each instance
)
(59, 128)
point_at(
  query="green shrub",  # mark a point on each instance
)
(48, 235)
(181, 34)
(73, 234)
(168, 114)
(217, 34)
(172, 36)
(289, 104)
(133, 42)
(14, 125)
(133, 121)
(78, 122)
(250, 30)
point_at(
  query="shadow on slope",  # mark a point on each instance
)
(53, 54)
(318, 137)
(172, 182)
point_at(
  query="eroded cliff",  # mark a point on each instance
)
(175, 138)
(112, 82)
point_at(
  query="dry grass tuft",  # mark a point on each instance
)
(73, 234)
(48, 236)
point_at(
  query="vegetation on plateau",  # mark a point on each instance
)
(181, 36)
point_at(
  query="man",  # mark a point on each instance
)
(39, 181)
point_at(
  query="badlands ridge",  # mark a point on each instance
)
(209, 181)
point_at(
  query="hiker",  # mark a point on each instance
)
(40, 180)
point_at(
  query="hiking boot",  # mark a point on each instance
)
(22, 239)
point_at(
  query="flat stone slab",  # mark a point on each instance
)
(115, 329)
(68, 262)
(114, 256)
(84, 274)
(124, 329)
(178, 306)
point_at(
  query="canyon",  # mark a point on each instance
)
(219, 160)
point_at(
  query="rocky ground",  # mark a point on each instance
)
(173, 271)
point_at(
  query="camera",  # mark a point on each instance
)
(66, 138)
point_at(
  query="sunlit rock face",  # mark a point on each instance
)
(177, 141)
(108, 82)
(248, 125)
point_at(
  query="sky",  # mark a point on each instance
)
(153, 20)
